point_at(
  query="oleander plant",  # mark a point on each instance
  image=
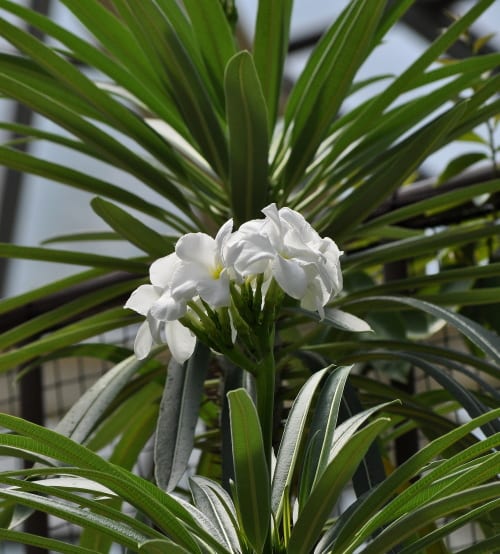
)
(272, 338)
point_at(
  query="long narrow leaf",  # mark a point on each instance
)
(115, 112)
(325, 418)
(67, 257)
(132, 229)
(84, 414)
(372, 504)
(42, 542)
(208, 21)
(144, 495)
(488, 341)
(399, 164)
(136, 70)
(179, 412)
(248, 138)
(447, 528)
(88, 327)
(120, 533)
(410, 77)
(67, 311)
(13, 302)
(290, 445)
(319, 506)
(270, 49)
(160, 546)
(415, 520)
(181, 77)
(250, 468)
(215, 502)
(326, 80)
(82, 181)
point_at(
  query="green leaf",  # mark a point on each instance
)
(87, 327)
(132, 229)
(411, 77)
(86, 412)
(250, 469)
(113, 33)
(348, 530)
(419, 518)
(121, 533)
(434, 204)
(447, 478)
(165, 511)
(447, 528)
(161, 546)
(248, 138)
(410, 248)
(291, 441)
(211, 535)
(67, 311)
(459, 164)
(134, 71)
(346, 321)
(67, 257)
(42, 542)
(323, 84)
(482, 41)
(217, 505)
(270, 50)
(208, 21)
(55, 172)
(465, 398)
(11, 303)
(320, 503)
(181, 78)
(486, 295)
(84, 237)
(474, 137)
(116, 423)
(370, 153)
(398, 164)
(486, 340)
(115, 112)
(179, 412)
(325, 420)
(444, 276)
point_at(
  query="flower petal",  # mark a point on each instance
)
(198, 248)
(215, 291)
(168, 308)
(221, 239)
(180, 340)
(162, 270)
(290, 276)
(143, 341)
(143, 298)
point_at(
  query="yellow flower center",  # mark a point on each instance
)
(217, 271)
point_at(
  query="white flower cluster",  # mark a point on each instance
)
(281, 246)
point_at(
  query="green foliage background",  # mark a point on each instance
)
(234, 145)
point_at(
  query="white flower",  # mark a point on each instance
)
(166, 307)
(281, 246)
(286, 247)
(202, 270)
(156, 297)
